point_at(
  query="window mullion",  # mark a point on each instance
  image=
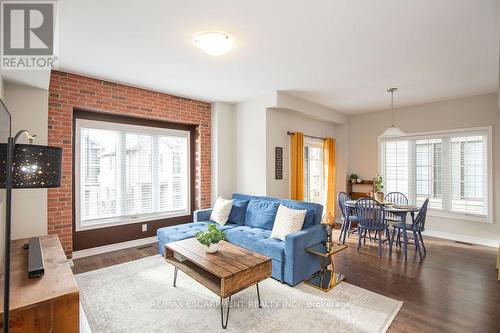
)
(412, 179)
(121, 174)
(155, 163)
(486, 187)
(446, 174)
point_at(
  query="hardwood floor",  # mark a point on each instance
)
(91, 263)
(453, 289)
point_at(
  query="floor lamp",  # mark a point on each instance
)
(24, 166)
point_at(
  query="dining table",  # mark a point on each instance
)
(399, 210)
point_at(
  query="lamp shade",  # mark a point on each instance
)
(392, 132)
(34, 166)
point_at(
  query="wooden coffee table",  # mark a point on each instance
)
(226, 272)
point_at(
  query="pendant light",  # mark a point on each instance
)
(392, 131)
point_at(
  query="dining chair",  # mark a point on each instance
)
(397, 198)
(371, 217)
(416, 229)
(347, 218)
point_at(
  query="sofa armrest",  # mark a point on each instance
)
(301, 239)
(202, 214)
(299, 263)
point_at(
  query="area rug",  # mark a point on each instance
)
(138, 296)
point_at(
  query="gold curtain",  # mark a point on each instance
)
(329, 169)
(297, 166)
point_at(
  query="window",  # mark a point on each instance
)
(313, 171)
(451, 168)
(128, 173)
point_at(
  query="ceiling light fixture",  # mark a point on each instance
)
(392, 131)
(213, 43)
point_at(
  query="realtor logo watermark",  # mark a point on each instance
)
(27, 35)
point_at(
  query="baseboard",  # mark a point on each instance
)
(462, 238)
(113, 247)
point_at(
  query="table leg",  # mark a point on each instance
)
(258, 295)
(224, 324)
(175, 275)
(333, 278)
(405, 236)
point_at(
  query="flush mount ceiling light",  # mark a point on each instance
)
(213, 43)
(392, 131)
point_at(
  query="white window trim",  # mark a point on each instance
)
(460, 131)
(129, 219)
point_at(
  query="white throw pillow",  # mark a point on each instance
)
(220, 213)
(287, 221)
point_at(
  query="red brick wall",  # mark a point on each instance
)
(70, 91)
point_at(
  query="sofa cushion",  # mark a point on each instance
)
(309, 219)
(188, 230)
(257, 240)
(221, 210)
(238, 211)
(287, 221)
(261, 214)
(314, 211)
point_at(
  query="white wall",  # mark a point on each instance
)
(223, 160)
(29, 109)
(309, 109)
(279, 121)
(459, 113)
(250, 145)
(342, 158)
(261, 124)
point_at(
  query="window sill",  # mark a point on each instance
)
(460, 216)
(112, 222)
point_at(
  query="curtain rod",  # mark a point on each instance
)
(309, 136)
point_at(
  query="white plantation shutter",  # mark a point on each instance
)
(127, 173)
(450, 168)
(396, 166)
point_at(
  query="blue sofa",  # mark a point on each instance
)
(250, 223)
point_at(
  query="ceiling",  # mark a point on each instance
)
(339, 54)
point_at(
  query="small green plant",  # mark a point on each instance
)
(353, 176)
(212, 236)
(378, 183)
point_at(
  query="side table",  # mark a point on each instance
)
(326, 278)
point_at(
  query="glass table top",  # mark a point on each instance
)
(326, 249)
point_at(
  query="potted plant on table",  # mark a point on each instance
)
(378, 184)
(211, 238)
(354, 178)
